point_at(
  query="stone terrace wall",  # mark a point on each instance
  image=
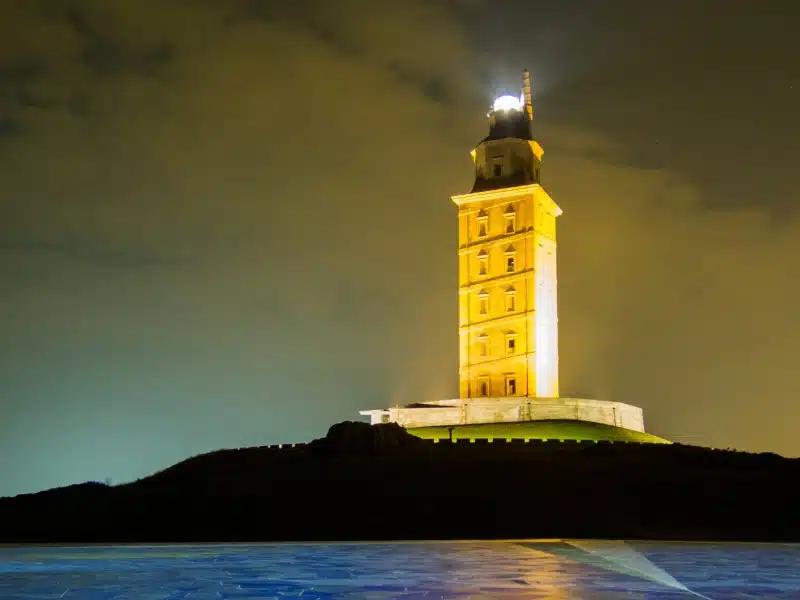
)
(512, 410)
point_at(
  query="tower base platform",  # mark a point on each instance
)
(517, 417)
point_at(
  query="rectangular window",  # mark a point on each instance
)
(511, 223)
(483, 345)
(510, 264)
(483, 387)
(511, 386)
(483, 223)
(483, 305)
(511, 303)
(483, 265)
(498, 170)
(511, 344)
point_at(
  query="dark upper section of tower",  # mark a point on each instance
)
(511, 123)
(508, 156)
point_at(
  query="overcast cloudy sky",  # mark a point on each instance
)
(228, 223)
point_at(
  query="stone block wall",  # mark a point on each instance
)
(511, 410)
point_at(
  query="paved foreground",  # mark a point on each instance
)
(554, 570)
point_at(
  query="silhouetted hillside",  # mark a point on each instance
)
(366, 482)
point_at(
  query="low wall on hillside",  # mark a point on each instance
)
(498, 442)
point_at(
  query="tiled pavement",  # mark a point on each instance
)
(550, 570)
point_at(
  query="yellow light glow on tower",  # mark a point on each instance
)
(508, 301)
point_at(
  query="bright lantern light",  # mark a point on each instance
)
(507, 103)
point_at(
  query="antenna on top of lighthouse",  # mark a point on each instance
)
(526, 93)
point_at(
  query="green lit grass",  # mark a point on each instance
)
(539, 430)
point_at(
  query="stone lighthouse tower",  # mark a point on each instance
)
(508, 317)
(508, 306)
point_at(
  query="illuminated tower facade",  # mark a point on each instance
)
(508, 304)
(508, 316)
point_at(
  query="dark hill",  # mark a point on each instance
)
(366, 482)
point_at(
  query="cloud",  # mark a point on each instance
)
(279, 179)
(228, 223)
(666, 304)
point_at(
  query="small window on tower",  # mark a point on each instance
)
(511, 299)
(483, 262)
(511, 385)
(511, 219)
(483, 302)
(511, 343)
(483, 224)
(498, 170)
(483, 345)
(510, 262)
(483, 386)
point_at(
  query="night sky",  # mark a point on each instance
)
(227, 223)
